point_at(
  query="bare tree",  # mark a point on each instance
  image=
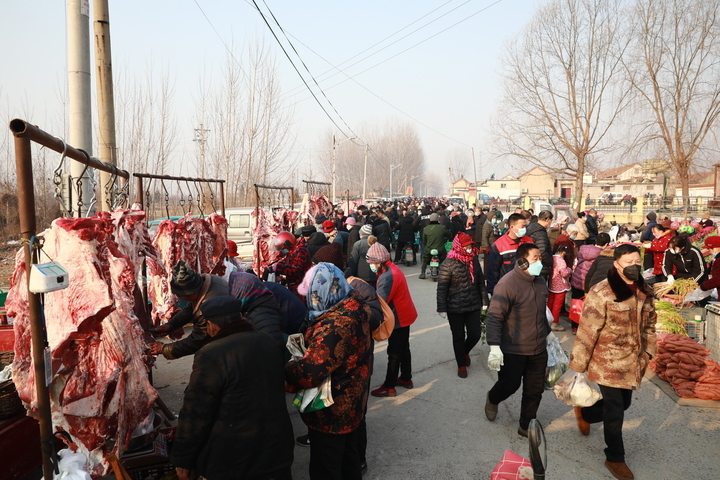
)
(675, 67)
(249, 139)
(563, 87)
(146, 126)
(459, 163)
(393, 143)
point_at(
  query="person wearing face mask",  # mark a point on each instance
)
(614, 344)
(459, 298)
(393, 288)
(567, 238)
(517, 330)
(684, 260)
(713, 244)
(502, 252)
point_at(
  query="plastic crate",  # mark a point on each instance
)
(696, 330)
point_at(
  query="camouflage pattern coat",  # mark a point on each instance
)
(616, 337)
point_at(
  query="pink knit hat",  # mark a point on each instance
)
(377, 254)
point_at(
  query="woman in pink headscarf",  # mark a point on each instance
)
(459, 297)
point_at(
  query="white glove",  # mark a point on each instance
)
(443, 314)
(670, 280)
(495, 359)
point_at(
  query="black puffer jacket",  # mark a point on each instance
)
(456, 292)
(406, 229)
(381, 229)
(540, 238)
(264, 315)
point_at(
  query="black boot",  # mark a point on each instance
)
(423, 267)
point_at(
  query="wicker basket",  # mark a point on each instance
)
(6, 358)
(10, 403)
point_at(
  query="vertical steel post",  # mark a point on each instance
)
(222, 198)
(26, 206)
(140, 195)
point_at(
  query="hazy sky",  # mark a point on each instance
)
(448, 82)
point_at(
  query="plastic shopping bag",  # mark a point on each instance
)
(308, 399)
(557, 363)
(576, 308)
(576, 390)
(512, 467)
(316, 398)
(698, 294)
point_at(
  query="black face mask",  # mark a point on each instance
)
(632, 272)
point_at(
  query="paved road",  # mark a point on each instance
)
(438, 430)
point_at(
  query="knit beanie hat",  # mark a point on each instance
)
(330, 254)
(434, 217)
(320, 218)
(377, 254)
(365, 231)
(222, 310)
(350, 221)
(328, 226)
(185, 281)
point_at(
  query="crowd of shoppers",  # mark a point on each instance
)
(514, 276)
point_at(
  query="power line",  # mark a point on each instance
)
(221, 40)
(301, 76)
(381, 41)
(383, 100)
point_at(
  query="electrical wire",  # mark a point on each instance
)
(290, 92)
(221, 40)
(303, 78)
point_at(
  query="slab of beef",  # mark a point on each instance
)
(201, 242)
(100, 359)
(313, 205)
(264, 232)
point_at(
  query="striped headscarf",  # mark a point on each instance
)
(246, 287)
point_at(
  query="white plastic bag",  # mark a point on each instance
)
(557, 363)
(697, 295)
(549, 315)
(576, 390)
(309, 399)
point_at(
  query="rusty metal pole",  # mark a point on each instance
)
(140, 195)
(26, 205)
(222, 199)
(257, 215)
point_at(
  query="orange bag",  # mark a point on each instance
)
(576, 307)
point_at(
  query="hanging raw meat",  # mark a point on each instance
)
(100, 359)
(201, 242)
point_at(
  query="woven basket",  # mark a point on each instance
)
(6, 358)
(10, 403)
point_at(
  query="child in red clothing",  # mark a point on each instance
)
(559, 285)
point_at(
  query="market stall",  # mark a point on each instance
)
(82, 365)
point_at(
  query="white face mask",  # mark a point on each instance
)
(469, 249)
(373, 268)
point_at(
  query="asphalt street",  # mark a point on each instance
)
(438, 429)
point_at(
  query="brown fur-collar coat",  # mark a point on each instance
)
(616, 337)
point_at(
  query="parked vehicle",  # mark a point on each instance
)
(434, 264)
(240, 229)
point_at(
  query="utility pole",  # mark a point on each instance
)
(364, 174)
(79, 89)
(105, 99)
(201, 140)
(332, 198)
(475, 170)
(392, 167)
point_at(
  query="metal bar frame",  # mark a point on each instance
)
(25, 134)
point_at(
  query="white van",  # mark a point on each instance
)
(611, 198)
(240, 228)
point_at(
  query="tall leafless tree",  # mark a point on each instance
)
(563, 87)
(675, 68)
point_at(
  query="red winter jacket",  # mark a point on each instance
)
(392, 287)
(658, 247)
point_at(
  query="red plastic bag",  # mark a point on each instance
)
(576, 307)
(512, 467)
